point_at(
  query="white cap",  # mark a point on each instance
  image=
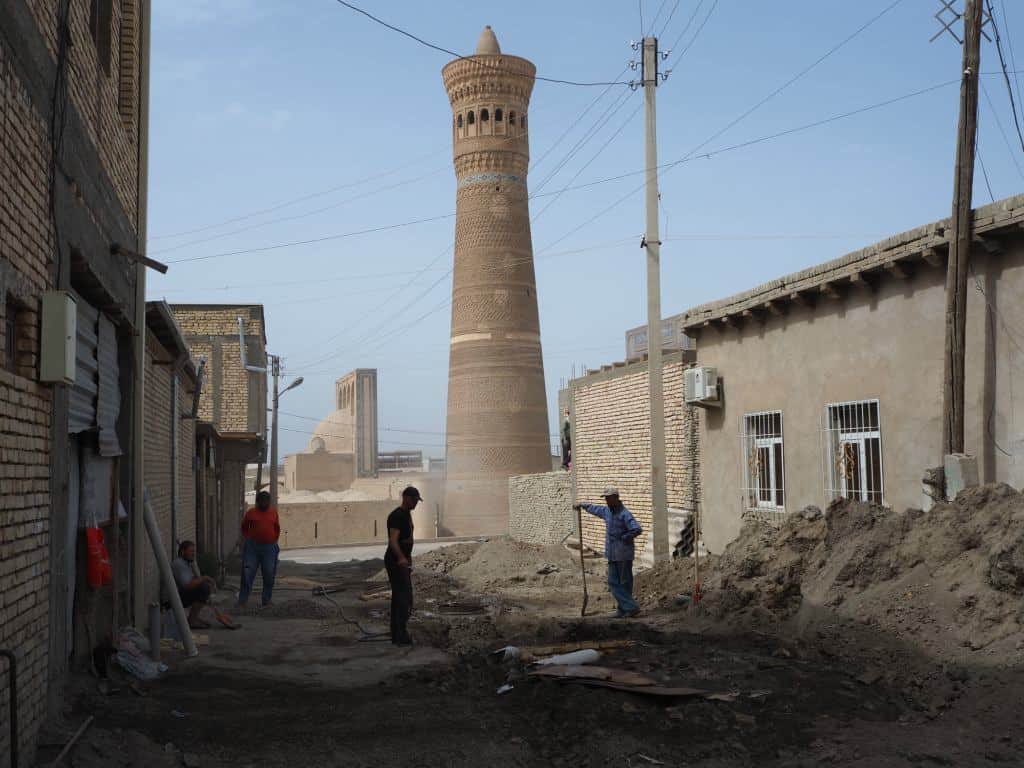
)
(610, 490)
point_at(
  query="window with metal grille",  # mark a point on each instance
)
(764, 469)
(853, 451)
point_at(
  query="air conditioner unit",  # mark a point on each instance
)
(701, 386)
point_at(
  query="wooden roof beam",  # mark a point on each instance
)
(932, 257)
(897, 270)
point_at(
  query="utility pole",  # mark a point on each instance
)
(961, 234)
(275, 362)
(275, 369)
(652, 242)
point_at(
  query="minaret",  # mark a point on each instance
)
(497, 409)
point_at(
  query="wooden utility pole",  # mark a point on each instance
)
(652, 241)
(960, 236)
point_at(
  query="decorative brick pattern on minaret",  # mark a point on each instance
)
(497, 409)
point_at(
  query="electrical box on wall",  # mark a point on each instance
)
(58, 340)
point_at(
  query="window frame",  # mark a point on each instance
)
(859, 437)
(759, 433)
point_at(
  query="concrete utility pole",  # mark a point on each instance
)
(275, 362)
(960, 236)
(652, 241)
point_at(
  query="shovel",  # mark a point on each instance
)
(583, 567)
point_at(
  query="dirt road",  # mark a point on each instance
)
(297, 687)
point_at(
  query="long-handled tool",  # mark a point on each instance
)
(583, 567)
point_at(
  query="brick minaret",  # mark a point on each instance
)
(497, 409)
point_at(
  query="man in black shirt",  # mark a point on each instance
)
(398, 562)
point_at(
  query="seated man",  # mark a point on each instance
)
(193, 589)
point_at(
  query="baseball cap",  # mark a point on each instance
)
(412, 491)
(610, 490)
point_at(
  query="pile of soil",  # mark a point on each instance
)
(445, 559)
(501, 562)
(950, 580)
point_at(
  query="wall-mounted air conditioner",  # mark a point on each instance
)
(700, 386)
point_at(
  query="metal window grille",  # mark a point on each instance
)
(764, 466)
(853, 451)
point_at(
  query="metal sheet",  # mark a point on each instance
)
(109, 392)
(84, 393)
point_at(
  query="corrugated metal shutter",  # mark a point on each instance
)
(108, 404)
(85, 391)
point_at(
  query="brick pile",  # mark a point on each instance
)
(612, 443)
(540, 507)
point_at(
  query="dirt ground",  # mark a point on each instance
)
(918, 663)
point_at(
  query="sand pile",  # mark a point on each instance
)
(949, 578)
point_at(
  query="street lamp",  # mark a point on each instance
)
(276, 363)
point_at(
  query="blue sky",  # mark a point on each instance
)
(258, 103)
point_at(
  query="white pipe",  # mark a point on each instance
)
(138, 404)
(167, 577)
(243, 353)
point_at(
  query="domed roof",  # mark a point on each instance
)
(335, 434)
(488, 44)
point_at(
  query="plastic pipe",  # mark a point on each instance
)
(168, 579)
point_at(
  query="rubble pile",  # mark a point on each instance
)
(947, 579)
(501, 561)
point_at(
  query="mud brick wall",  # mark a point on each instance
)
(612, 443)
(540, 507)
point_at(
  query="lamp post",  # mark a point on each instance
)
(276, 363)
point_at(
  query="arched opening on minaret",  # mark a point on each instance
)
(511, 118)
(471, 118)
(498, 115)
(484, 115)
(458, 121)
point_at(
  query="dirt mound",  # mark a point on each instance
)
(501, 561)
(445, 559)
(948, 579)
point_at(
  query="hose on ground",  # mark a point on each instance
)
(321, 591)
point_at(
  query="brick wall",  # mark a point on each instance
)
(212, 333)
(540, 507)
(96, 95)
(100, 148)
(158, 456)
(612, 443)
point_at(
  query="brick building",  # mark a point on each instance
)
(72, 175)
(231, 341)
(171, 386)
(611, 442)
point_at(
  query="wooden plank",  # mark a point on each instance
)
(588, 672)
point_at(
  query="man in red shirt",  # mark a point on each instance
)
(260, 532)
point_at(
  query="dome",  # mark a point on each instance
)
(488, 43)
(335, 434)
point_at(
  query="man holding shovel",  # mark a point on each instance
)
(621, 528)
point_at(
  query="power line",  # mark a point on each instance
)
(1002, 131)
(675, 7)
(1009, 44)
(640, 3)
(662, 168)
(700, 29)
(690, 157)
(294, 201)
(1006, 74)
(689, 24)
(834, 49)
(298, 216)
(460, 57)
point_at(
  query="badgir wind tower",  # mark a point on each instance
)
(497, 409)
